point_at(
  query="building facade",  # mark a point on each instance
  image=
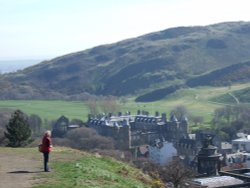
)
(131, 131)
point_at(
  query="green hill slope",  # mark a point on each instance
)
(241, 96)
(134, 66)
(70, 168)
(237, 73)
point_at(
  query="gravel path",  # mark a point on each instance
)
(19, 170)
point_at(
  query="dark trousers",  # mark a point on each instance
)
(46, 161)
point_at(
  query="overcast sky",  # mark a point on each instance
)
(44, 29)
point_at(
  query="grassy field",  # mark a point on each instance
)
(196, 100)
(48, 109)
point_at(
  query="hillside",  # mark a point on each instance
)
(137, 66)
(237, 73)
(241, 96)
(70, 168)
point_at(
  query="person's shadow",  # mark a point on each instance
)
(23, 172)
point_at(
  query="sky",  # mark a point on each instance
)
(44, 29)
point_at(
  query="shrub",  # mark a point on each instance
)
(85, 139)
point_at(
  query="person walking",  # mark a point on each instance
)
(46, 149)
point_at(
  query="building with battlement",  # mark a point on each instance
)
(134, 130)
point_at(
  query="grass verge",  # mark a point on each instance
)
(91, 171)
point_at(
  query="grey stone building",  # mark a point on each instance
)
(134, 130)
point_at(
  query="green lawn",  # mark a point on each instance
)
(196, 100)
(48, 109)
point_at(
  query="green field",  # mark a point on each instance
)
(196, 100)
(48, 109)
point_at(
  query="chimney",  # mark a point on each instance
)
(138, 112)
(164, 117)
(156, 114)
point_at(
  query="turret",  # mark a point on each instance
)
(208, 158)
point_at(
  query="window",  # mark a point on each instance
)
(243, 147)
(235, 147)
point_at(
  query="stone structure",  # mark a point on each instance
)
(135, 130)
(241, 144)
(60, 127)
(208, 158)
(162, 152)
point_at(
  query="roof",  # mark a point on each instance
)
(218, 181)
(226, 145)
(73, 126)
(241, 140)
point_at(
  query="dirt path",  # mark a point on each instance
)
(235, 98)
(19, 170)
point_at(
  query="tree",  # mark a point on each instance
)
(197, 119)
(229, 120)
(109, 104)
(35, 123)
(2, 137)
(88, 139)
(18, 131)
(92, 105)
(180, 111)
(176, 172)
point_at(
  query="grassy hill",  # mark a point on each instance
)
(137, 66)
(70, 168)
(237, 73)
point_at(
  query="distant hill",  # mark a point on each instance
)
(184, 56)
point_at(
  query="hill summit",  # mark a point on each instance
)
(177, 57)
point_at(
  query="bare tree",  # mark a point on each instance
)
(109, 104)
(123, 100)
(2, 137)
(176, 172)
(92, 105)
(197, 119)
(180, 111)
(5, 115)
(88, 139)
(35, 123)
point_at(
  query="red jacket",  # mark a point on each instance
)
(46, 144)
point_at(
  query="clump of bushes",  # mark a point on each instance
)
(85, 139)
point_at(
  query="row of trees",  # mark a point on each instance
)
(226, 121)
(108, 104)
(229, 120)
(21, 127)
